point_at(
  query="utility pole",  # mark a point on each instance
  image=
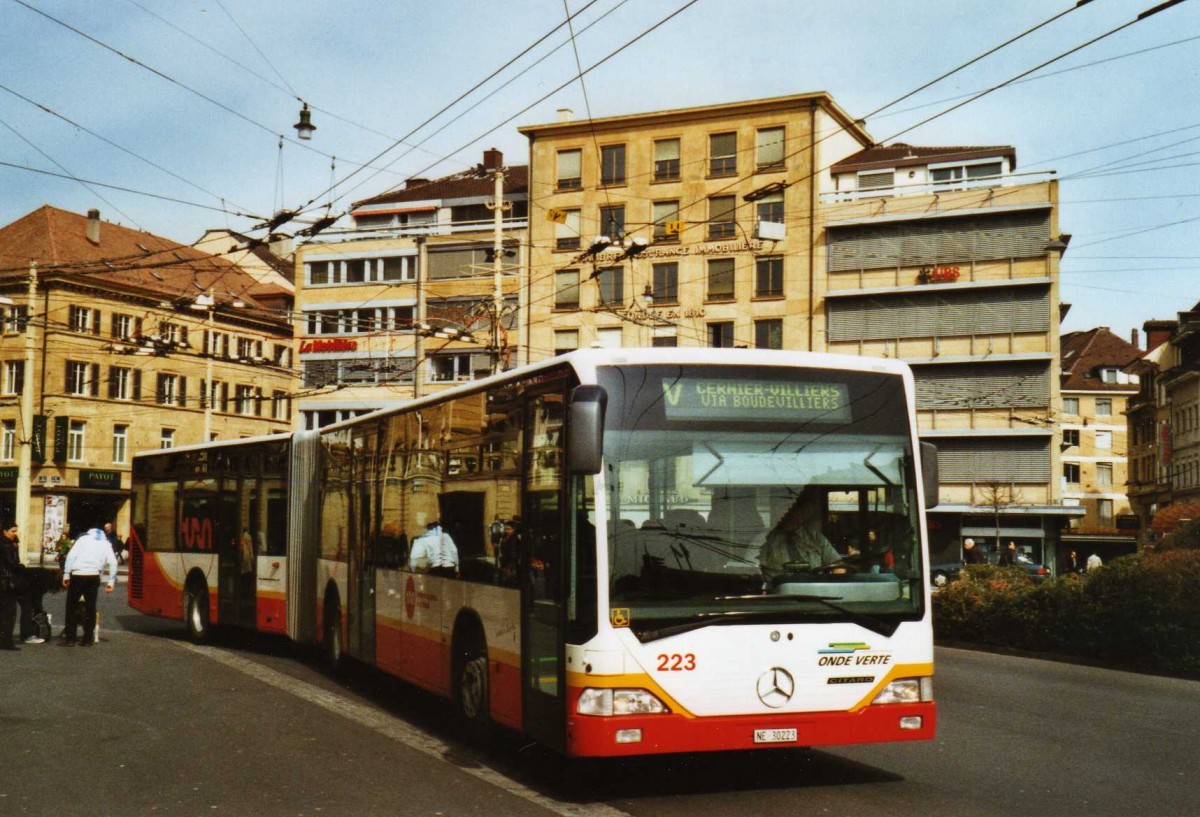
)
(494, 163)
(24, 497)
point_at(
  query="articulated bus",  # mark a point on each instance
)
(633, 551)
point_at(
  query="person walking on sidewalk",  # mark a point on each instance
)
(89, 556)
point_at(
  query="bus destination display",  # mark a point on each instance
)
(693, 398)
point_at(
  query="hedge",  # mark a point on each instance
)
(1140, 611)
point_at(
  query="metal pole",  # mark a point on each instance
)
(497, 266)
(208, 372)
(24, 497)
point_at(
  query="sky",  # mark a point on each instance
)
(183, 103)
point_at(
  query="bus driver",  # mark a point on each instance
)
(797, 541)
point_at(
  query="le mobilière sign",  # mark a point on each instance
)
(692, 398)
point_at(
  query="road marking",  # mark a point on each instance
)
(395, 729)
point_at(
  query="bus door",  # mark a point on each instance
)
(542, 569)
(237, 594)
(360, 610)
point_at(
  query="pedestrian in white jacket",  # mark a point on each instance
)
(89, 556)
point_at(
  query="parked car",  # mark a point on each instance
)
(942, 574)
(1035, 571)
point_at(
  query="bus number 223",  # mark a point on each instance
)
(676, 662)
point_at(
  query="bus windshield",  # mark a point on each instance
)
(764, 494)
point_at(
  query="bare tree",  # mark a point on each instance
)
(998, 496)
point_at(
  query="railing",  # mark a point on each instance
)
(948, 186)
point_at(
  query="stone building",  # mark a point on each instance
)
(404, 301)
(1096, 390)
(131, 342)
(779, 223)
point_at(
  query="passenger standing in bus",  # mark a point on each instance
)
(509, 553)
(434, 552)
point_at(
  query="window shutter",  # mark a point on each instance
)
(182, 390)
(137, 326)
(258, 402)
(224, 397)
(113, 324)
(67, 378)
(204, 393)
(183, 333)
(137, 384)
(95, 321)
(95, 384)
(208, 343)
(160, 390)
(112, 382)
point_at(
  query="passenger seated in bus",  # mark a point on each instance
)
(434, 552)
(796, 543)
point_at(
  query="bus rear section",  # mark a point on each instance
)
(763, 564)
(208, 544)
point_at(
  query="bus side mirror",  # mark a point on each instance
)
(929, 474)
(585, 429)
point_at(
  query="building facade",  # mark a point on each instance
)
(131, 342)
(408, 299)
(1096, 391)
(1148, 417)
(778, 223)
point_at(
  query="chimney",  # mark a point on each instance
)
(1133, 337)
(93, 226)
(565, 114)
(1158, 333)
(415, 181)
(492, 160)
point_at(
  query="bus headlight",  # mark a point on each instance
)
(605, 702)
(906, 691)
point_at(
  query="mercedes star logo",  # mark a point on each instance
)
(775, 687)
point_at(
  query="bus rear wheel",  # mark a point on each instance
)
(471, 691)
(195, 614)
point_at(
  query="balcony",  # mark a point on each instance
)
(937, 188)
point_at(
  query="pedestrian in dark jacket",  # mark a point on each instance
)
(12, 583)
(971, 554)
(1008, 556)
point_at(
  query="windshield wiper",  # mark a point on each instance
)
(883, 627)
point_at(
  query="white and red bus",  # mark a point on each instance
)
(622, 578)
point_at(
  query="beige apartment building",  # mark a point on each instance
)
(407, 300)
(1096, 391)
(130, 342)
(778, 223)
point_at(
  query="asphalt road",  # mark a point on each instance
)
(145, 723)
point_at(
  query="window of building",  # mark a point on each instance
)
(126, 327)
(120, 383)
(612, 285)
(75, 440)
(1070, 437)
(82, 378)
(720, 279)
(167, 438)
(447, 368)
(612, 164)
(566, 340)
(245, 399)
(84, 319)
(570, 176)
(876, 180)
(566, 289)
(666, 220)
(720, 335)
(612, 222)
(722, 212)
(665, 337)
(722, 154)
(173, 333)
(1103, 439)
(1071, 406)
(14, 376)
(171, 390)
(566, 232)
(1104, 474)
(8, 440)
(399, 268)
(281, 354)
(666, 160)
(15, 318)
(337, 272)
(948, 175)
(665, 283)
(1104, 512)
(770, 208)
(120, 450)
(768, 334)
(768, 148)
(1071, 472)
(281, 405)
(610, 337)
(1104, 407)
(768, 276)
